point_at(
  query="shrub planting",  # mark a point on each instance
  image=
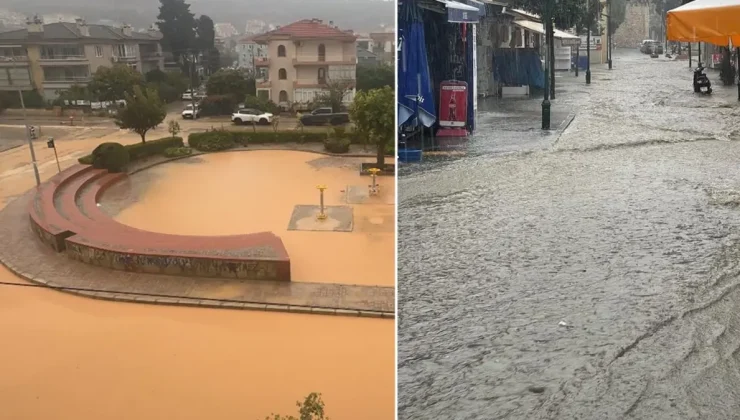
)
(334, 145)
(111, 156)
(174, 152)
(142, 150)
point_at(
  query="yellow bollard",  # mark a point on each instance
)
(374, 187)
(322, 214)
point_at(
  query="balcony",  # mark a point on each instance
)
(14, 61)
(263, 83)
(65, 81)
(151, 55)
(261, 61)
(317, 60)
(124, 59)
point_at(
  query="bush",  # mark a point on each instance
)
(143, 150)
(153, 147)
(174, 152)
(111, 156)
(335, 145)
(213, 141)
(264, 105)
(218, 105)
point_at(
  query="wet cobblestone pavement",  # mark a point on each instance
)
(587, 274)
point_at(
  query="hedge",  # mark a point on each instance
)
(138, 151)
(336, 145)
(111, 156)
(216, 140)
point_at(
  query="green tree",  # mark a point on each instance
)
(177, 25)
(375, 77)
(312, 408)
(205, 32)
(373, 113)
(170, 85)
(143, 111)
(334, 93)
(229, 82)
(113, 83)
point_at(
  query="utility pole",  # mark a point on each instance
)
(588, 42)
(609, 33)
(25, 120)
(192, 83)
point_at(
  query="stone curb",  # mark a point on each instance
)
(194, 302)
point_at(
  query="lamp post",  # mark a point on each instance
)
(588, 42)
(609, 33)
(546, 101)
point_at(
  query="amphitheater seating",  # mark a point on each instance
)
(65, 215)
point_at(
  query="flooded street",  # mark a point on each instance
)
(72, 358)
(592, 274)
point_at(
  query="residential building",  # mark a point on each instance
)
(384, 46)
(366, 58)
(59, 55)
(303, 58)
(247, 50)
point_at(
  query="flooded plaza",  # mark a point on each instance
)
(68, 357)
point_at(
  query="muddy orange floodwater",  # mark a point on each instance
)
(254, 191)
(67, 357)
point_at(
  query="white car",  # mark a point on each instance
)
(248, 116)
(189, 113)
(187, 95)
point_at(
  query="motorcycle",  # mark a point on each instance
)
(701, 81)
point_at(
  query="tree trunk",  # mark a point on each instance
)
(381, 156)
(143, 137)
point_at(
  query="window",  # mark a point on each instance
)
(282, 74)
(281, 50)
(322, 52)
(98, 51)
(283, 96)
(322, 75)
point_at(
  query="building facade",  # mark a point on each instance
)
(302, 60)
(247, 51)
(59, 55)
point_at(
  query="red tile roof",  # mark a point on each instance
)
(307, 29)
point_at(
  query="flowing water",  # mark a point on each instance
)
(592, 275)
(67, 357)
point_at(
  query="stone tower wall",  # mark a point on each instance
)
(636, 25)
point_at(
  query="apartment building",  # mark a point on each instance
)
(247, 50)
(59, 55)
(302, 58)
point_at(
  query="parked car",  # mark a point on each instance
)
(248, 115)
(187, 95)
(190, 113)
(650, 46)
(323, 116)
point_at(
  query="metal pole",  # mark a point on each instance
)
(690, 66)
(30, 141)
(588, 42)
(59, 168)
(737, 65)
(609, 33)
(699, 46)
(546, 100)
(551, 44)
(578, 50)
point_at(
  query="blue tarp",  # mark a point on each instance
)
(518, 67)
(414, 83)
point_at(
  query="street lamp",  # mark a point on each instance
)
(588, 42)
(609, 32)
(547, 21)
